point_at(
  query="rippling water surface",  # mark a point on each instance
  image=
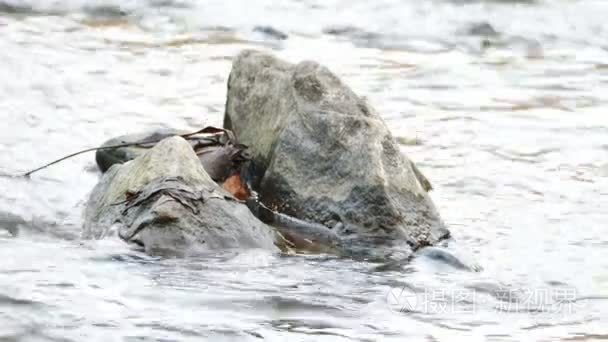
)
(503, 104)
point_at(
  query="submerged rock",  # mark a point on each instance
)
(271, 32)
(164, 201)
(105, 158)
(483, 29)
(11, 222)
(221, 156)
(322, 154)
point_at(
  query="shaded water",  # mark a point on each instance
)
(501, 103)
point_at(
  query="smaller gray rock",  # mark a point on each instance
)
(164, 201)
(218, 151)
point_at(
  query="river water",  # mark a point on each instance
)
(502, 104)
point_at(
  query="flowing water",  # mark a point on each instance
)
(502, 104)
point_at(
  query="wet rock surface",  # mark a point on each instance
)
(105, 158)
(219, 153)
(165, 201)
(324, 155)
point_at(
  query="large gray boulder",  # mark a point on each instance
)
(166, 202)
(324, 155)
